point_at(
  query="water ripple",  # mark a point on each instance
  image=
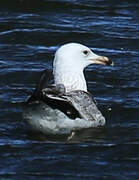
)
(30, 33)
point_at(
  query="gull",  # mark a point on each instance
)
(66, 105)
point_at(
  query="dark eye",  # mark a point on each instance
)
(85, 52)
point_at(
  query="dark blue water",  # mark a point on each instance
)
(30, 33)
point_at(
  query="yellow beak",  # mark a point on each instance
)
(103, 60)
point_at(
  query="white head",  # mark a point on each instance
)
(69, 63)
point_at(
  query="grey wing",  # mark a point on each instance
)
(53, 96)
(86, 106)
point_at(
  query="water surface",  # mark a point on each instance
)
(30, 33)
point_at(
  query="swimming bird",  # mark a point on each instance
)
(66, 105)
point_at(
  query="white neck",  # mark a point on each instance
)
(71, 79)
